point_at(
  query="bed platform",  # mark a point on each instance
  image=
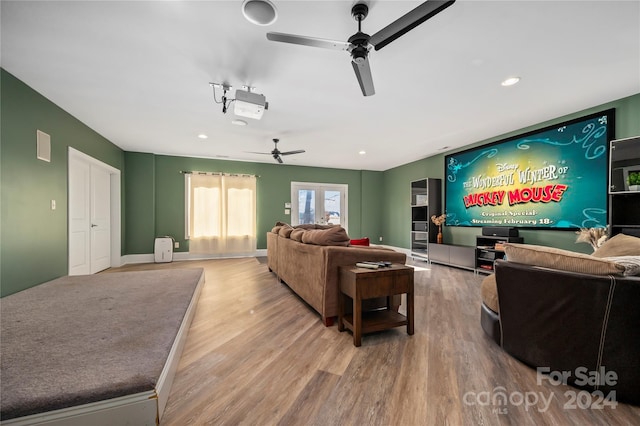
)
(97, 349)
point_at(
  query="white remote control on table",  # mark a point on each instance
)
(367, 265)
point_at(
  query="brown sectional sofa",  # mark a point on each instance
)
(570, 312)
(311, 270)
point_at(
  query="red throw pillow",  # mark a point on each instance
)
(360, 242)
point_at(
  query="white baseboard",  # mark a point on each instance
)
(181, 256)
(137, 258)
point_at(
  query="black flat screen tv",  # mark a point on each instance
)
(552, 178)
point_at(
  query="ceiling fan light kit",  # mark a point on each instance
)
(259, 12)
(360, 44)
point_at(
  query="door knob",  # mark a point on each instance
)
(93, 225)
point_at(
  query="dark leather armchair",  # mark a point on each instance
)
(564, 321)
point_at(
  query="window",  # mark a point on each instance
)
(220, 213)
(320, 203)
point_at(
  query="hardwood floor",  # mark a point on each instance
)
(256, 354)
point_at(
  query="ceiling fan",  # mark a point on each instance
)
(276, 152)
(360, 43)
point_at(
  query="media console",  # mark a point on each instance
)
(490, 248)
(453, 255)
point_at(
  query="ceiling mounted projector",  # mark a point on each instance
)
(249, 104)
(246, 103)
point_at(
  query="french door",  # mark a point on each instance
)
(320, 203)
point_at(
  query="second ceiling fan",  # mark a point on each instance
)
(360, 43)
(277, 154)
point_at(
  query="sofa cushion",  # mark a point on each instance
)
(312, 226)
(277, 226)
(360, 242)
(296, 234)
(333, 236)
(489, 292)
(619, 245)
(285, 231)
(554, 258)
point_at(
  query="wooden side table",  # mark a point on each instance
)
(362, 283)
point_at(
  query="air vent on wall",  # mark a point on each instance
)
(43, 150)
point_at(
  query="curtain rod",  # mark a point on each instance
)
(187, 172)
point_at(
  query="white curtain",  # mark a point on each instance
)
(222, 214)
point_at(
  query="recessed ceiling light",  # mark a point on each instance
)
(510, 81)
(259, 12)
(202, 136)
(362, 152)
(239, 122)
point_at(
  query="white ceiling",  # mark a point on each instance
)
(138, 73)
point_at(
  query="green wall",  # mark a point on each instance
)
(396, 185)
(155, 180)
(397, 195)
(372, 205)
(140, 201)
(33, 240)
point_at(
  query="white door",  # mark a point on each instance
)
(100, 219)
(89, 217)
(79, 217)
(319, 203)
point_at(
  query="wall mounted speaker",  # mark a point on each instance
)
(43, 146)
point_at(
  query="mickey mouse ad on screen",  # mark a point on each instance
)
(553, 178)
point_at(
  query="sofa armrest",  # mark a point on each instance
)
(336, 256)
(272, 251)
(343, 256)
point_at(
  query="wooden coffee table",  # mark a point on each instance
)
(360, 284)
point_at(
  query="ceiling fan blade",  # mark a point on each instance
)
(299, 151)
(363, 73)
(408, 22)
(255, 152)
(309, 41)
(277, 157)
